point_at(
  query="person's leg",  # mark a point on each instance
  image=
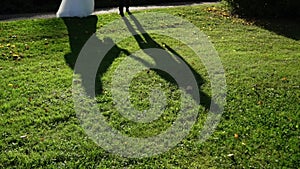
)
(127, 3)
(121, 6)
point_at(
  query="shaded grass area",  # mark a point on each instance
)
(259, 128)
(285, 27)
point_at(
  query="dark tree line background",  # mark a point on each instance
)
(265, 8)
(243, 8)
(32, 6)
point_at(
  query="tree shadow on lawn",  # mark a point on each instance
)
(81, 29)
(289, 27)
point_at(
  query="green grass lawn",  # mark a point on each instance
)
(258, 129)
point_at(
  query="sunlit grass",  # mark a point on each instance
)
(259, 127)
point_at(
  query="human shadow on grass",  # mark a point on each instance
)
(80, 30)
(145, 41)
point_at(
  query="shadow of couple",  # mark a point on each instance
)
(80, 31)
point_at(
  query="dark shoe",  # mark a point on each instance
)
(129, 13)
(122, 14)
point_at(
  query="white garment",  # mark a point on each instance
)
(75, 8)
